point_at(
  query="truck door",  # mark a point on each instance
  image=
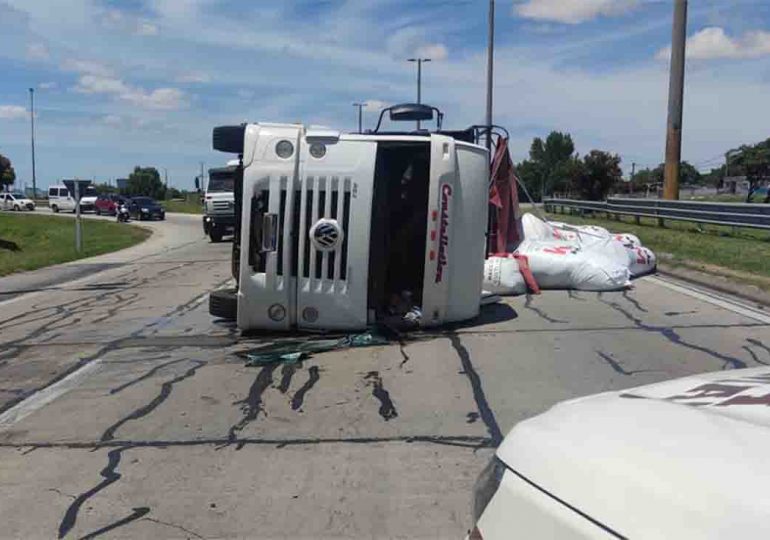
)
(335, 204)
(441, 202)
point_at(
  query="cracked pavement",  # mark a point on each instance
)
(125, 411)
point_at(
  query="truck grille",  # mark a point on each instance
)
(323, 197)
(222, 207)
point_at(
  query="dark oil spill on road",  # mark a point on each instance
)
(387, 408)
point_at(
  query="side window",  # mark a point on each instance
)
(63, 193)
(52, 192)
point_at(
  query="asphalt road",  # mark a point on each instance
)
(126, 411)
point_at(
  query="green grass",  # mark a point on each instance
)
(680, 243)
(45, 240)
(184, 207)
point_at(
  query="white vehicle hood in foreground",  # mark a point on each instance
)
(688, 458)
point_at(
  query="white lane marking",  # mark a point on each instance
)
(40, 399)
(723, 301)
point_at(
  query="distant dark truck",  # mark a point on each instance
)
(219, 203)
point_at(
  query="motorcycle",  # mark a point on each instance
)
(122, 214)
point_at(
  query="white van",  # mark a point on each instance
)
(60, 199)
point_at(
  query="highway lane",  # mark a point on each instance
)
(129, 411)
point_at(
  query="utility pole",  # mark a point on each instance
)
(360, 115)
(202, 186)
(419, 80)
(675, 102)
(32, 123)
(631, 180)
(490, 70)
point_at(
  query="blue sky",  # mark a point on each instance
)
(142, 82)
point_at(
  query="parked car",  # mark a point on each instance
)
(685, 458)
(145, 208)
(60, 199)
(16, 201)
(108, 204)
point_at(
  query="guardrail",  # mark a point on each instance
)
(756, 216)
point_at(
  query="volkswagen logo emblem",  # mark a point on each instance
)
(326, 235)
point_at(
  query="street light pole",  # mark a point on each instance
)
(675, 102)
(490, 70)
(32, 124)
(419, 80)
(360, 115)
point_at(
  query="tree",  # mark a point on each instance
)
(104, 188)
(145, 181)
(600, 171)
(548, 168)
(7, 174)
(754, 163)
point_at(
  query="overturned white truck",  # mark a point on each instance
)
(340, 231)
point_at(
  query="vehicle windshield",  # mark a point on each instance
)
(90, 192)
(143, 200)
(221, 183)
(18, 195)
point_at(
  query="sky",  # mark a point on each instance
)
(120, 83)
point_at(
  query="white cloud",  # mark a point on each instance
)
(86, 66)
(12, 112)
(194, 77)
(144, 28)
(37, 51)
(160, 98)
(112, 120)
(115, 19)
(97, 84)
(375, 104)
(572, 11)
(435, 51)
(49, 85)
(713, 42)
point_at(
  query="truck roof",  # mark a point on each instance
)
(682, 458)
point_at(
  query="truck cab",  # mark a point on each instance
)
(340, 231)
(219, 202)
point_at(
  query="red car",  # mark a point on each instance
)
(107, 204)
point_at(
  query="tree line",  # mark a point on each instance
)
(554, 168)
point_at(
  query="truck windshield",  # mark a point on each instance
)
(221, 183)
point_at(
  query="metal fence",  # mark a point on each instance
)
(755, 216)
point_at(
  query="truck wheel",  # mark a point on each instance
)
(55, 209)
(98, 211)
(216, 236)
(223, 303)
(16, 208)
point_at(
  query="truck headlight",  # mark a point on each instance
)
(486, 486)
(145, 210)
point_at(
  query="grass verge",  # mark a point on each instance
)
(184, 207)
(29, 241)
(706, 248)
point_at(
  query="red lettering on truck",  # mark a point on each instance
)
(443, 237)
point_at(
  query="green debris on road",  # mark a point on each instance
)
(293, 351)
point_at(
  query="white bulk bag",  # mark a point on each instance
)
(564, 265)
(502, 276)
(535, 228)
(628, 240)
(641, 261)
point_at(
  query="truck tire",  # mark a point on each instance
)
(55, 209)
(215, 235)
(223, 303)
